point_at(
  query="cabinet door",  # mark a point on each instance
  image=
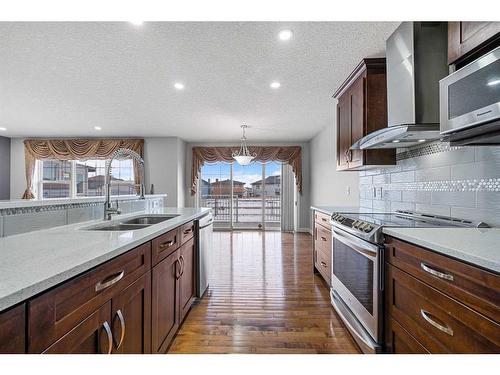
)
(357, 104)
(343, 131)
(398, 341)
(12, 329)
(92, 336)
(465, 36)
(187, 278)
(131, 318)
(165, 302)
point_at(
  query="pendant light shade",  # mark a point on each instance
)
(243, 156)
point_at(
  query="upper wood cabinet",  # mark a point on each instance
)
(465, 38)
(362, 109)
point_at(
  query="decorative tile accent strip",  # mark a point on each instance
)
(483, 184)
(427, 149)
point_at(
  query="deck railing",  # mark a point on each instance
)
(245, 209)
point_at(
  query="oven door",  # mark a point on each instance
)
(357, 279)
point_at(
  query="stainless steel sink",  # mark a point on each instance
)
(134, 223)
(149, 220)
(119, 227)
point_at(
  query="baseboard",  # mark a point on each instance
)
(304, 230)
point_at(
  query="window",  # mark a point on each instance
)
(83, 178)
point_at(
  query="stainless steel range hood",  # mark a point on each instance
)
(416, 61)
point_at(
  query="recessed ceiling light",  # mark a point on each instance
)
(285, 34)
(421, 140)
(494, 82)
(275, 85)
(98, 128)
(2, 129)
(137, 23)
(179, 86)
(395, 141)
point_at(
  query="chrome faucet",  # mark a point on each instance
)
(108, 209)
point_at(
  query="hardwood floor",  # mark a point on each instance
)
(263, 298)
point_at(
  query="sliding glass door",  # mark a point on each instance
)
(243, 197)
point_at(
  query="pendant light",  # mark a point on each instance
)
(243, 156)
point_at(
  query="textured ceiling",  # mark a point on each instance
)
(62, 79)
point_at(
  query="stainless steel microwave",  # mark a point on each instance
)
(470, 102)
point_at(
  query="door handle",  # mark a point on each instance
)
(119, 314)
(441, 275)
(181, 259)
(442, 327)
(106, 283)
(105, 325)
(165, 244)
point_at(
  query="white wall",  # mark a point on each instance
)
(304, 222)
(165, 168)
(329, 187)
(17, 168)
(4, 168)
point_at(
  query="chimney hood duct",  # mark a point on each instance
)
(416, 61)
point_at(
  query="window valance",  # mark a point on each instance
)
(286, 154)
(74, 149)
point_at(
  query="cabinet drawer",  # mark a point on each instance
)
(164, 245)
(323, 239)
(322, 219)
(440, 323)
(186, 232)
(55, 313)
(399, 341)
(471, 285)
(324, 264)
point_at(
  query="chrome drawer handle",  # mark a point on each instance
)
(105, 325)
(122, 323)
(187, 231)
(323, 264)
(166, 244)
(181, 259)
(441, 327)
(441, 275)
(106, 284)
(323, 238)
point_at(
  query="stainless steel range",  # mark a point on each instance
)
(358, 267)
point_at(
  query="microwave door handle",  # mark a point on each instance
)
(368, 250)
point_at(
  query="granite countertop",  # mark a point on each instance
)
(20, 203)
(477, 246)
(36, 261)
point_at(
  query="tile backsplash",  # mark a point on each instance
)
(27, 219)
(435, 178)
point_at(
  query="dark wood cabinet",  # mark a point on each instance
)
(362, 109)
(13, 330)
(322, 245)
(467, 40)
(132, 304)
(131, 318)
(91, 336)
(187, 277)
(165, 302)
(439, 304)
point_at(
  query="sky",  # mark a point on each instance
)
(247, 174)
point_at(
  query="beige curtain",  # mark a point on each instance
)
(291, 155)
(74, 149)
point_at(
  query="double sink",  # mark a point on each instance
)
(134, 223)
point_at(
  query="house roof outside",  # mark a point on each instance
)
(226, 182)
(271, 180)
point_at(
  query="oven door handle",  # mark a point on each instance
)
(364, 248)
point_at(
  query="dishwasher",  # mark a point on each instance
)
(205, 247)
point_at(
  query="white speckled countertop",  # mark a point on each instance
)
(331, 209)
(477, 246)
(36, 261)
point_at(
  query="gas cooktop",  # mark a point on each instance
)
(369, 225)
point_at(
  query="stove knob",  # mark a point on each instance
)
(361, 225)
(368, 228)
